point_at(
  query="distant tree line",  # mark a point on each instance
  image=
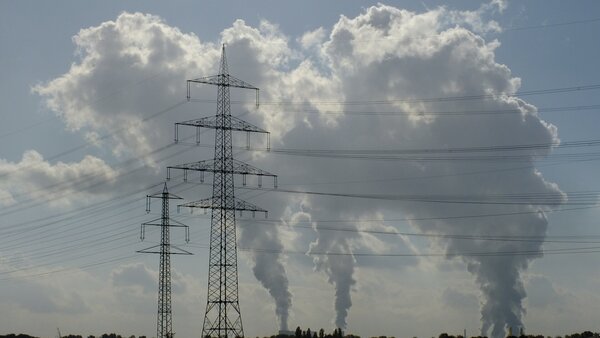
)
(105, 335)
(337, 333)
(299, 333)
(584, 334)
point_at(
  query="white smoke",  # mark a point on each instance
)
(339, 269)
(387, 54)
(268, 268)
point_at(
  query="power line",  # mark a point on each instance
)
(76, 242)
(473, 97)
(27, 127)
(110, 239)
(453, 150)
(582, 198)
(94, 185)
(556, 24)
(533, 239)
(454, 113)
(448, 153)
(434, 218)
(558, 251)
(81, 267)
(104, 137)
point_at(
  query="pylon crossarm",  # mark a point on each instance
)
(241, 125)
(243, 168)
(180, 251)
(239, 168)
(152, 222)
(213, 203)
(206, 203)
(223, 80)
(152, 250)
(169, 196)
(241, 205)
(179, 225)
(206, 165)
(149, 250)
(211, 122)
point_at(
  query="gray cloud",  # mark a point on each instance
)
(135, 275)
(456, 299)
(40, 298)
(34, 177)
(542, 293)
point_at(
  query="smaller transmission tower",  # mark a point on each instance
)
(164, 326)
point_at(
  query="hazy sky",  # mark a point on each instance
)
(422, 187)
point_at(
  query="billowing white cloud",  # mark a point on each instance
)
(61, 184)
(313, 38)
(127, 68)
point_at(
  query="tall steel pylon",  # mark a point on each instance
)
(164, 325)
(223, 316)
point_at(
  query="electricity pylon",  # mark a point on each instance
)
(223, 316)
(164, 326)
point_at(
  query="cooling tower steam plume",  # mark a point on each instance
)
(268, 268)
(387, 60)
(338, 268)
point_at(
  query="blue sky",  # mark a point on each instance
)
(545, 44)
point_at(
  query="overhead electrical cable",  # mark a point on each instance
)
(87, 252)
(72, 249)
(456, 113)
(72, 269)
(576, 198)
(94, 185)
(105, 136)
(51, 234)
(550, 25)
(473, 97)
(433, 218)
(558, 251)
(63, 232)
(493, 238)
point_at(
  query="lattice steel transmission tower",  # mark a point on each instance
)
(164, 326)
(223, 316)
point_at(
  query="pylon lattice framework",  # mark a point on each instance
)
(223, 316)
(164, 325)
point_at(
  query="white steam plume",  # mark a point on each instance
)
(339, 268)
(268, 268)
(387, 54)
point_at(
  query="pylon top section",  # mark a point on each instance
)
(223, 79)
(164, 194)
(223, 69)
